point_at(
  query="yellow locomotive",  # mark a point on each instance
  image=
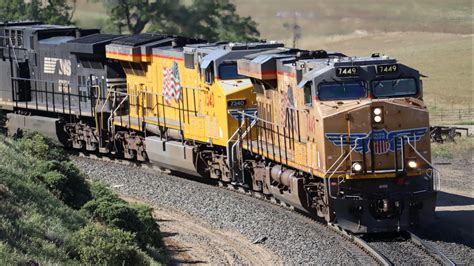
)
(345, 138)
(179, 91)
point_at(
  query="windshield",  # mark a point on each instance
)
(394, 87)
(342, 91)
(228, 71)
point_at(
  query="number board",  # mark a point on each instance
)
(387, 69)
(347, 71)
(236, 103)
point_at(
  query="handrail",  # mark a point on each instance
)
(13, 48)
(231, 149)
(435, 175)
(339, 165)
(348, 154)
(103, 106)
(258, 118)
(109, 122)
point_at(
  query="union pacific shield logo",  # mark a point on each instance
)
(384, 141)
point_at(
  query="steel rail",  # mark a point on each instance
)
(432, 251)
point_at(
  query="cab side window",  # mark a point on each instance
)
(308, 99)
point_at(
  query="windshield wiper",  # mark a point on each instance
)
(377, 83)
(395, 82)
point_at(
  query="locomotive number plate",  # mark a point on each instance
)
(347, 71)
(387, 69)
(236, 103)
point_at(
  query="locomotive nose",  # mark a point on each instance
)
(376, 137)
(390, 126)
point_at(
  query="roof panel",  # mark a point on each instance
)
(95, 38)
(139, 39)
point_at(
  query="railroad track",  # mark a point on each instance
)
(406, 248)
(433, 251)
(364, 250)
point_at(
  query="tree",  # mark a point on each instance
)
(47, 11)
(208, 19)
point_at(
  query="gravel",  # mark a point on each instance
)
(404, 253)
(294, 238)
(453, 232)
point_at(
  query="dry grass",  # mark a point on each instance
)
(445, 58)
(331, 17)
(463, 148)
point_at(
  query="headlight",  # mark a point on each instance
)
(377, 115)
(412, 164)
(377, 119)
(356, 167)
(377, 111)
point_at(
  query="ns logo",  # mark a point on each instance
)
(57, 66)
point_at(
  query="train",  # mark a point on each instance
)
(344, 138)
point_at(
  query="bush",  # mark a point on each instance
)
(97, 244)
(41, 147)
(150, 229)
(99, 191)
(65, 181)
(107, 208)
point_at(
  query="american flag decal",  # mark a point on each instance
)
(381, 146)
(171, 84)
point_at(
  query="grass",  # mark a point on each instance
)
(341, 17)
(466, 122)
(463, 148)
(31, 218)
(445, 58)
(44, 219)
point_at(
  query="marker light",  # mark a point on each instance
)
(412, 164)
(377, 111)
(377, 118)
(356, 167)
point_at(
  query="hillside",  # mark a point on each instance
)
(49, 214)
(445, 58)
(337, 17)
(434, 36)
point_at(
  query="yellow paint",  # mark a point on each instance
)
(201, 113)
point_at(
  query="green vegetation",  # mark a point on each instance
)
(99, 244)
(463, 148)
(49, 11)
(50, 214)
(465, 122)
(208, 19)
